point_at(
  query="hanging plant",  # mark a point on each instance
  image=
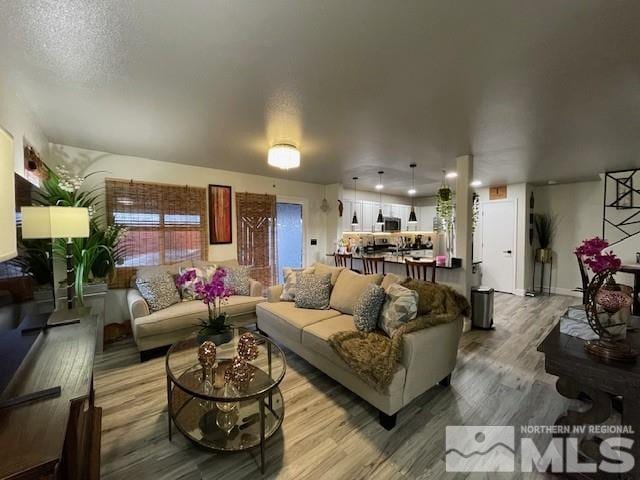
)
(444, 208)
(444, 193)
(475, 211)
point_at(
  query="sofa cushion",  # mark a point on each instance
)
(158, 289)
(400, 307)
(313, 291)
(238, 279)
(367, 308)
(321, 268)
(285, 319)
(290, 279)
(315, 337)
(187, 314)
(391, 279)
(349, 287)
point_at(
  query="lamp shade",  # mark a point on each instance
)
(7, 199)
(284, 156)
(412, 216)
(55, 222)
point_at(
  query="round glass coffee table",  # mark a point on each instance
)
(220, 418)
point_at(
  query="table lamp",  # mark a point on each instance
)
(57, 222)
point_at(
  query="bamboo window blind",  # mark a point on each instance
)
(256, 222)
(167, 224)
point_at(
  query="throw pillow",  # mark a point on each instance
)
(391, 278)
(204, 274)
(313, 291)
(400, 307)
(321, 269)
(348, 289)
(159, 290)
(289, 287)
(367, 308)
(238, 280)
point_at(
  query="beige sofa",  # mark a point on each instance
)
(429, 355)
(154, 330)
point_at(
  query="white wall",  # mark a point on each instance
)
(579, 210)
(17, 119)
(142, 169)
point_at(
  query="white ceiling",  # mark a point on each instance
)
(535, 90)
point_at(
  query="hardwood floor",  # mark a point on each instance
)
(329, 432)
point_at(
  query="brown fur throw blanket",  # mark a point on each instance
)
(374, 356)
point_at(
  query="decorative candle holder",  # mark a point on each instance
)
(248, 347)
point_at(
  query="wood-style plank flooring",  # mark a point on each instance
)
(329, 432)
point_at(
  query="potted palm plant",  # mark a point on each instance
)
(95, 255)
(545, 225)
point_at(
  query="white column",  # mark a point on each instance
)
(464, 168)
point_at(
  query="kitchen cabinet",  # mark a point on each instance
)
(347, 213)
(368, 218)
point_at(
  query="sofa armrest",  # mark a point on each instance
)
(429, 355)
(138, 306)
(255, 288)
(273, 293)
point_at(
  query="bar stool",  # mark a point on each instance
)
(371, 265)
(418, 269)
(342, 258)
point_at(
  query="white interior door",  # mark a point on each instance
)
(498, 245)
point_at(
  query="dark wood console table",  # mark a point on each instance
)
(606, 385)
(57, 436)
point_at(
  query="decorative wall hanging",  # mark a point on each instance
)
(220, 231)
(621, 212)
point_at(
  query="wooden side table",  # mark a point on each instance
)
(580, 375)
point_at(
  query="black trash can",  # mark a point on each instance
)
(482, 307)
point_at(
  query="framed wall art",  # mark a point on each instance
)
(220, 215)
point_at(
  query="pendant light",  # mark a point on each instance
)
(412, 216)
(354, 220)
(380, 219)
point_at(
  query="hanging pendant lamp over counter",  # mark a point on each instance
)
(413, 219)
(380, 219)
(354, 220)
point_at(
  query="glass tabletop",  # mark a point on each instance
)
(263, 374)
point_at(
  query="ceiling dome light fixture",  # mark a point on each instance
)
(284, 156)
(476, 183)
(412, 216)
(354, 220)
(452, 175)
(380, 219)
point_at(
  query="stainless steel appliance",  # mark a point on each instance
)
(391, 224)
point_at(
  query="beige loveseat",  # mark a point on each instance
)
(154, 330)
(429, 355)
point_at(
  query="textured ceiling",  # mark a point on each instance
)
(535, 90)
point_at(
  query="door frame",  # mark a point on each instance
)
(514, 202)
(305, 224)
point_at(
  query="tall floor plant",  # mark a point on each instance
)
(102, 249)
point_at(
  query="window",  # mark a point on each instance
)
(257, 234)
(167, 224)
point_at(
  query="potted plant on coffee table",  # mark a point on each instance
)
(214, 294)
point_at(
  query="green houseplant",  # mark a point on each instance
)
(96, 255)
(545, 225)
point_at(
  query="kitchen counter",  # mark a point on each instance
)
(398, 259)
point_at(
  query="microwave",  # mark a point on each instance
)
(391, 224)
